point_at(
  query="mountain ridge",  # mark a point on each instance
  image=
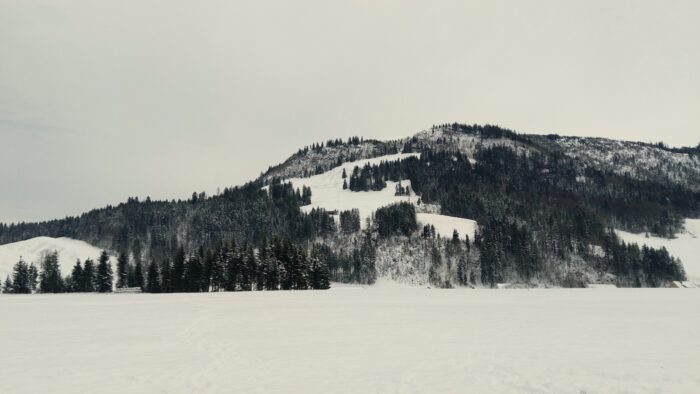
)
(543, 208)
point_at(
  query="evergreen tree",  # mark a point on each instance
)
(177, 277)
(9, 287)
(122, 274)
(89, 282)
(21, 281)
(166, 270)
(33, 277)
(50, 280)
(232, 268)
(76, 277)
(138, 275)
(320, 276)
(152, 281)
(193, 274)
(104, 274)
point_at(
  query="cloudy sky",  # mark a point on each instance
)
(101, 100)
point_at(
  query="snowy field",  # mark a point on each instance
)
(383, 339)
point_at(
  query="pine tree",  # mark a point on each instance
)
(232, 268)
(218, 270)
(166, 271)
(21, 282)
(178, 271)
(152, 281)
(320, 276)
(138, 275)
(51, 280)
(193, 274)
(76, 277)
(33, 277)
(9, 287)
(88, 283)
(104, 274)
(122, 275)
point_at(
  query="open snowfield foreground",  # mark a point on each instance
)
(385, 339)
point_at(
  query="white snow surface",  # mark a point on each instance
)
(686, 246)
(327, 192)
(327, 189)
(386, 339)
(32, 250)
(445, 225)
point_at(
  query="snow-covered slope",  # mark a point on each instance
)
(327, 189)
(685, 246)
(327, 192)
(445, 225)
(31, 251)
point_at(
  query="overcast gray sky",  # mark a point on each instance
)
(101, 100)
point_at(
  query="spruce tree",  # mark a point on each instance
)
(138, 275)
(21, 282)
(33, 277)
(152, 280)
(8, 288)
(104, 274)
(76, 277)
(320, 276)
(193, 274)
(122, 274)
(166, 271)
(177, 277)
(88, 284)
(50, 280)
(231, 268)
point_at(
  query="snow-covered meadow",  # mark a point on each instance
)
(351, 339)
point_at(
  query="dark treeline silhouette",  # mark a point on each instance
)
(277, 265)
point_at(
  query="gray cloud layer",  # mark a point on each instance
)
(101, 100)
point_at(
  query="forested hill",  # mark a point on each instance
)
(545, 207)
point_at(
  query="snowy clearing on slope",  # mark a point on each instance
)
(686, 246)
(327, 192)
(327, 189)
(31, 250)
(445, 225)
(366, 340)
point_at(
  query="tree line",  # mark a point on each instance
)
(274, 265)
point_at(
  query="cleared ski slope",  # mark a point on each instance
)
(327, 192)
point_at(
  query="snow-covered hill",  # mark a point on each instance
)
(686, 246)
(32, 250)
